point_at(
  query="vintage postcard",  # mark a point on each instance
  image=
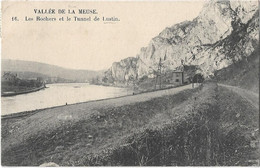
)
(130, 83)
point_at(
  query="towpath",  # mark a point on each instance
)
(250, 96)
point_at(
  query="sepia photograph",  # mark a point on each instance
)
(130, 83)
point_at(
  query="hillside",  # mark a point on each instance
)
(30, 69)
(244, 73)
(224, 33)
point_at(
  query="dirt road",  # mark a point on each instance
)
(251, 97)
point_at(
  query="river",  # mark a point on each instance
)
(59, 94)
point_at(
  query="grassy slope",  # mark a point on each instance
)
(204, 129)
(69, 144)
(244, 73)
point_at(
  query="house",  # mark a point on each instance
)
(174, 78)
(178, 77)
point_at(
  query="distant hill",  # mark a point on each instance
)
(29, 69)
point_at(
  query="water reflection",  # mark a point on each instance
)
(59, 94)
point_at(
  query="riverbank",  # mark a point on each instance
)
(14, 93)
(143, 86)
(36, 110)
(169, 127)
(59, 95)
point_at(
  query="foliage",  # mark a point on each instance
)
(10, 82)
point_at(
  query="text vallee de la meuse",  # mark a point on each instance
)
(64, 11)
(68, 11)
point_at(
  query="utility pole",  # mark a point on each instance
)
(133, 85)
(132, 79)
(160, 71)
(159, 74)
(156, 73)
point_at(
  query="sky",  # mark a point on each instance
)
(92, 45)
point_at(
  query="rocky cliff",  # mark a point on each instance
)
(122, 71)
(223, 33)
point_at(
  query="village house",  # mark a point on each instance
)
(175, 78)
(178, 77)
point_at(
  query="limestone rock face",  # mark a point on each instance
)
(224, 32)
(244, 9)
(124, 70)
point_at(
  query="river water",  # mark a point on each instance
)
(59, 94)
